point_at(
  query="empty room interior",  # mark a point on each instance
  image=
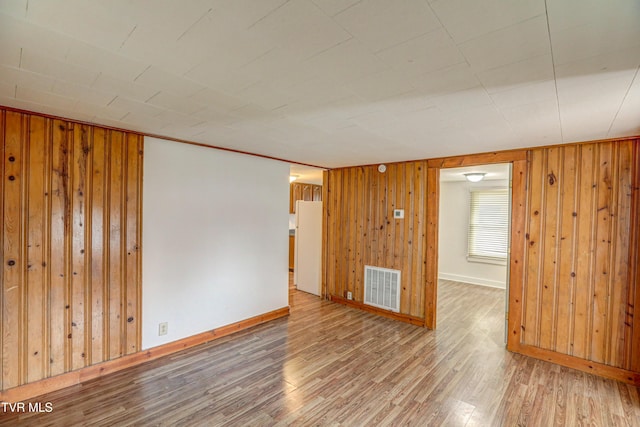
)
(320, 212)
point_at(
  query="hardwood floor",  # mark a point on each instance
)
(328, 364)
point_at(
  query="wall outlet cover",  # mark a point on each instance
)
(349, 295)
(163, 328)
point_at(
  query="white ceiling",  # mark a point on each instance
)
(331, 82)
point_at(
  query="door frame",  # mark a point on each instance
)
(518, 161)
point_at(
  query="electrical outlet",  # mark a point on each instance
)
(349, 295)
(163, 328)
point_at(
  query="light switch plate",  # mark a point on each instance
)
(398, 213)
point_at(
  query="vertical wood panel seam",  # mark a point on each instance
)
(68, 230)
(123, 245)
(574, 251)
(46, 249)
(558, 252)
(541, 240)
(138, 283)
(106, 218)
(23, 244)
(611, 269)
(87, 138)
(595, 175)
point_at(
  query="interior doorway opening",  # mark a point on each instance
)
(305, 229)
(473, 247)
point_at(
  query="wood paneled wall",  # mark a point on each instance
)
(360, 230)
(580, 285)
(70, 201)
(575, 275)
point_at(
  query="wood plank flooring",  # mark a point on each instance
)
(330, 365)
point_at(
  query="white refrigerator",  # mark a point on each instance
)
(308, 247)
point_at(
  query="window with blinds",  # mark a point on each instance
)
(489, 225)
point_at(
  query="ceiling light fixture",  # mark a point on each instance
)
(293, 178)
(474, 176)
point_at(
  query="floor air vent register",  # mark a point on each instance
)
(382, 288)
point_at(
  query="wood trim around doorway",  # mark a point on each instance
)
(518, 215)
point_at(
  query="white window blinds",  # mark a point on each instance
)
(489, 224)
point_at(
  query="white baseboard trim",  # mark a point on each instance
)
(472, 280)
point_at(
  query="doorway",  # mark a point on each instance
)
(473, 241)
(515, 263)
(305, 227)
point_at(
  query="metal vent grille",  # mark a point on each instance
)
(382, 288)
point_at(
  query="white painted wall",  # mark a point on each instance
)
(454, 223)
(215, 239)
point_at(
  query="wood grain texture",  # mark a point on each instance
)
(56, 279)
(303, 191)
(356, 369)
(361, 230)
(579, 286)
(517, 254)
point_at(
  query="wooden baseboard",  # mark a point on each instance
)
(47, 385)
(583, 365)
(385, 313)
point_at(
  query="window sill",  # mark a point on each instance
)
(487, 260)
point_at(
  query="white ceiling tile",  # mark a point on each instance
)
(177, 119)
(429, 52)
(217, 99)
(451, 79)
(26, 35)
(159, 79)
(595, 39)
(37, 63)
(44, 98)
(522, 95)
(214, 75)
(586, 121)
(516, 74)
(23, 78)
(383, 85)
(535, 124)
(168, 15)
(171, 102)
(132, 106)
(315, 31)
(468, 19)
(141, 122)
(278, 67)
(596, 89)
(462, 100)
(266, 96)
(380, 24)
(333, 7)
(79, 92)
(626, 121)
(101, 113)
(119, 87)
(567, 14)
(17, 8)
(516, 43)
(9, 53)
(346, 62)
(91, 22)
(7, 90)
(601, 65)
(103, 61)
